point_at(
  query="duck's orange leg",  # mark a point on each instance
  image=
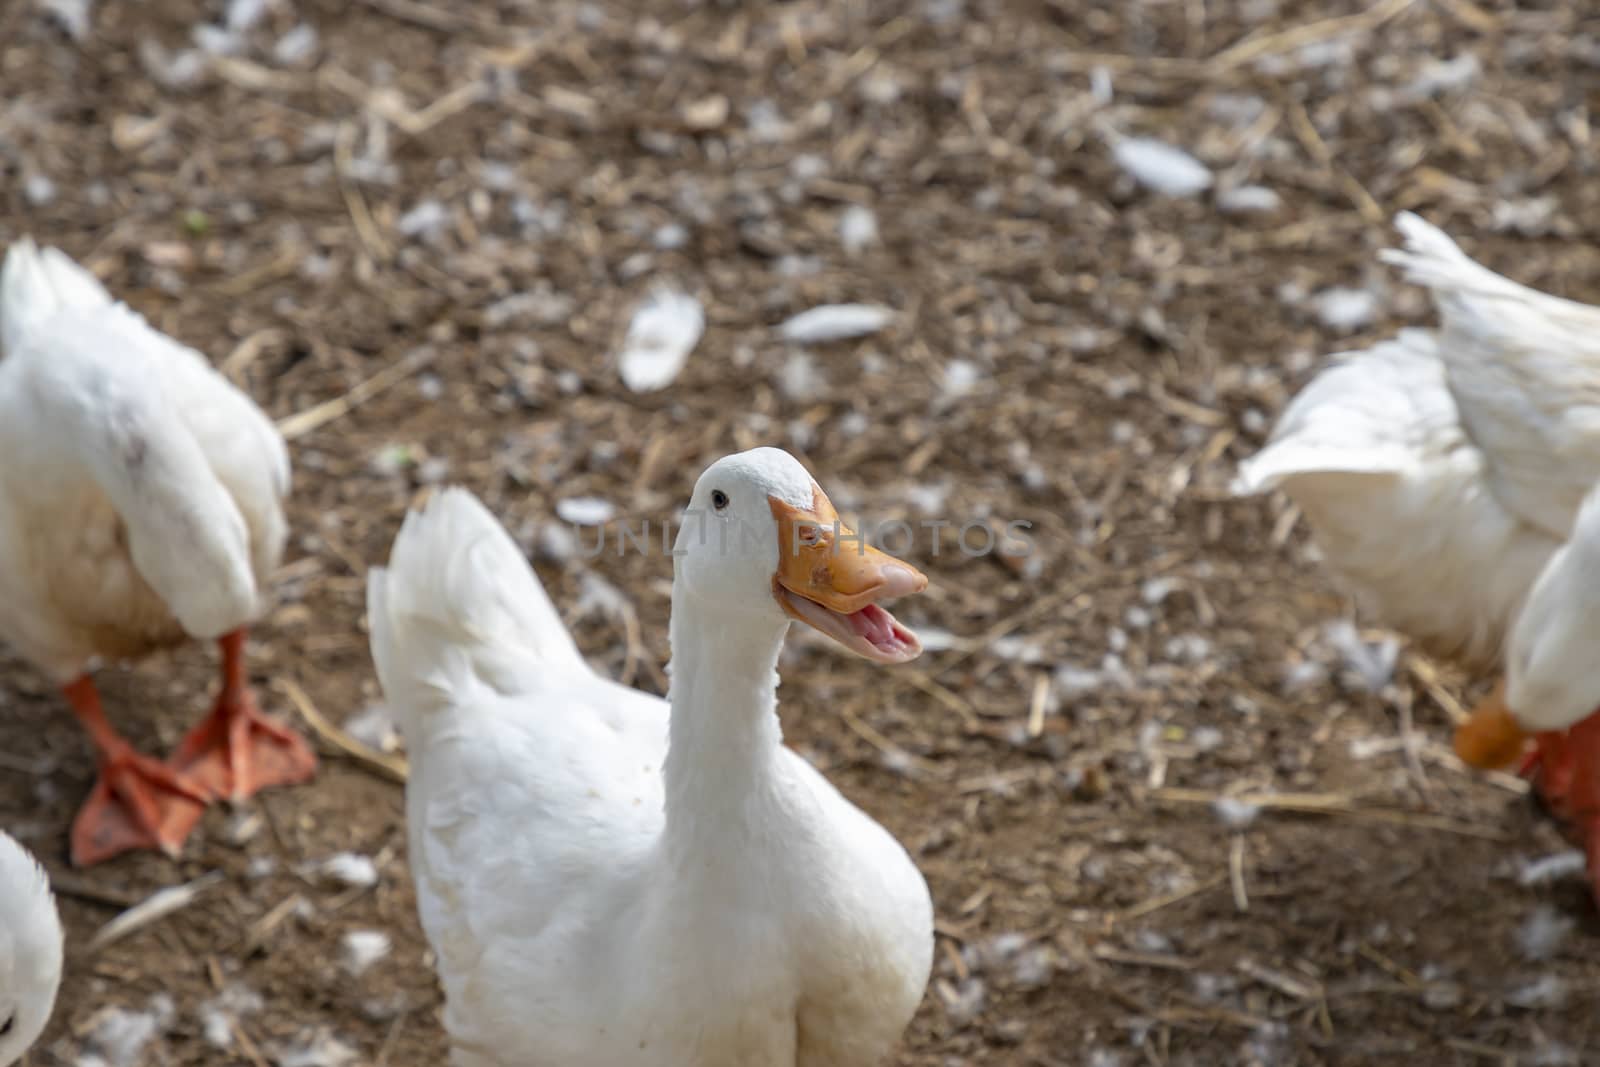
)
(1553, 767)
(238, 750)
(1581, 756)
(137, 802)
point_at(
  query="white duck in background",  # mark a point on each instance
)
(1552, 672)
(1442, 470)
(141, 505)
(1524, 368)
(1397, 494)
(1552, 685)
(30, 951)
(610, 879)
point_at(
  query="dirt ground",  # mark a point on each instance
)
(476, 196)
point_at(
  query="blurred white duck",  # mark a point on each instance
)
(1552, 685)
(30, 951)
(141, 505)
(1399, 500)
(613, 880)
(1552, 672)
(1524, 368)
(1442, 470)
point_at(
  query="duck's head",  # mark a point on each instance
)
(30, 951)
(760, 538)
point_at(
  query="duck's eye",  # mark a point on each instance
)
(719, 499)
(10, 1021)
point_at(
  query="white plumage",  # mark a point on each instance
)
(1397, 495)
(1440, 470)
(594, 901)
(30, 951)
(141, 497)
(1524, 368)
(1552, 679)
(141, 505)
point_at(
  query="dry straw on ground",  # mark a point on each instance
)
(417, 230)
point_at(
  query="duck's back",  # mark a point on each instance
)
(141, 501)
(535, 797)
(1524, 368)
(518, 807)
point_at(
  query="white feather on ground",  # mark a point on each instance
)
(1161, 167)
(665, 329)
(835, 322)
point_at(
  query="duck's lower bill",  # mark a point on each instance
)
(870, 631)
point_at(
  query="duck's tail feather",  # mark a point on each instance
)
(1465, 290)
(36, 284)
(458, 608)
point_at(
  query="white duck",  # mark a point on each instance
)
(1398, 497)
(141, 505)
(1442, 472)
(609, 879)
(1524, 368)
(1440, 469)
(30, 951)
(1552, 686)
(1552, 673)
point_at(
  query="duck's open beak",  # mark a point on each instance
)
(831, 579)
(1491, 738)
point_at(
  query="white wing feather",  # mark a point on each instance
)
(1524, 368)
(1373, 452)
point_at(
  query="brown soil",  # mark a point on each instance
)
(1131, 348)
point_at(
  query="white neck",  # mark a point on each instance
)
(725, 740)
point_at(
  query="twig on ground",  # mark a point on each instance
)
(302, 423)
(395, 768)
(153, 909)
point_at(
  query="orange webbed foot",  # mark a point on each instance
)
(239, 750)
(137, 803)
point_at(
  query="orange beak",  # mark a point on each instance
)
(832, 580)
(1492, 737)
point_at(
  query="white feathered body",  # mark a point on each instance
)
(1440, 470)
(1552, 680)
(1398, 499)
(141, 494)
(568, 932)
(1524, 368)
(30, 950)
